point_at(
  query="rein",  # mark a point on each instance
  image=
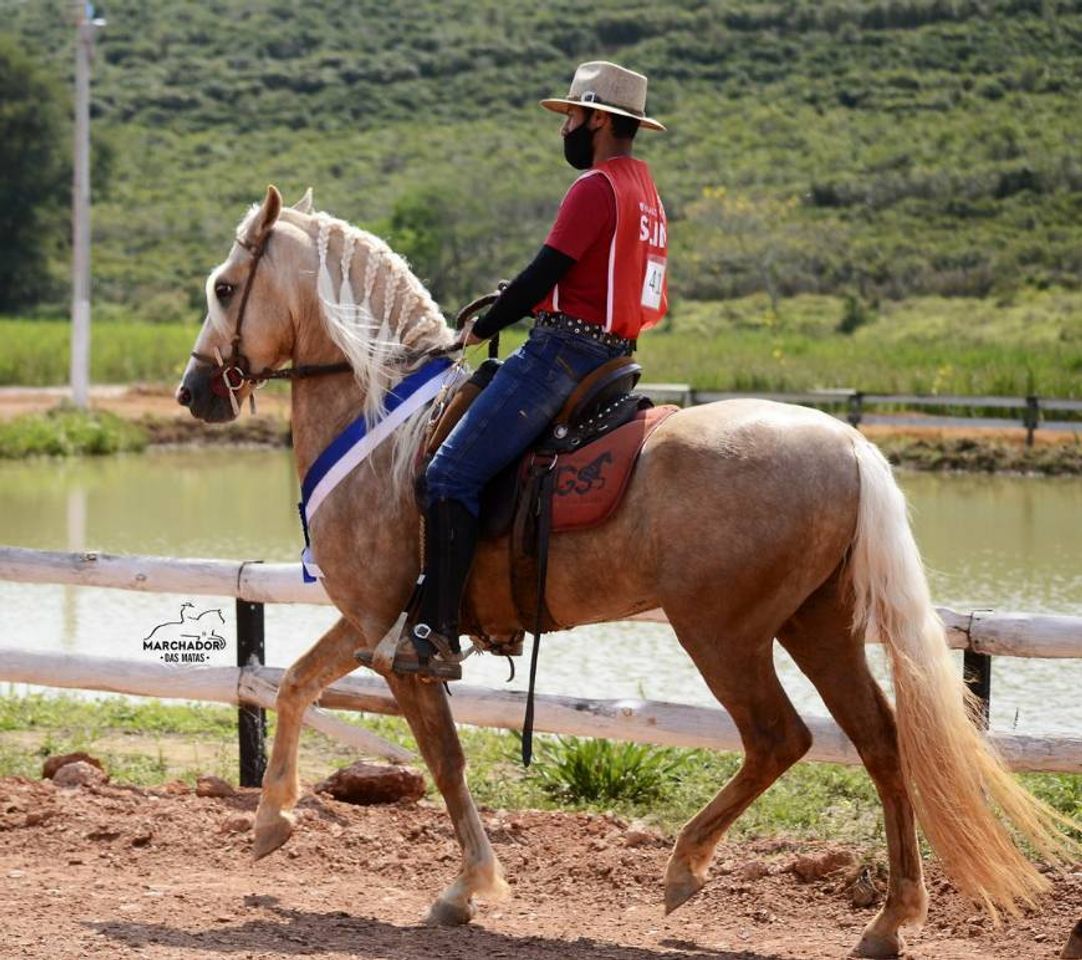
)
(229, 375)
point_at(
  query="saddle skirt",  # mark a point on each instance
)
(590, 482)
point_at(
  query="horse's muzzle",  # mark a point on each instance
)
(197, 393)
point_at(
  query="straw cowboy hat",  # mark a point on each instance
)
(606, 86)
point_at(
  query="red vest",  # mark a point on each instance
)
(637, 282)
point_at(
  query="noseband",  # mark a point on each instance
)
(229, 376)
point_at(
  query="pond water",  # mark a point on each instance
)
(1008, 543)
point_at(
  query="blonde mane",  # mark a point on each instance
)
(379, 314)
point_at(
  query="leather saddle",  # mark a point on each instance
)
(573, 477)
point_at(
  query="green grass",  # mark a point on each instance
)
(87, 718)
(811, 800)
(1028, 342)
(38, 352)
(35, 727)
(67, 432)
(929, 345)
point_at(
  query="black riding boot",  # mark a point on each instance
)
(450, 542)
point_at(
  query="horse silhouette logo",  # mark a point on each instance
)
(571, 481)
(189, 639)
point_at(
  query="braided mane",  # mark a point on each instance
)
(378, 313)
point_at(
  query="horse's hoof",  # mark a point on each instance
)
(445, 914)
(879, 946)
(1073, 950)
(270, 834)
(680, 886)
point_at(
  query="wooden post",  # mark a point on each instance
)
(1032, 417)
(856, 408)
(977, 670)
(251, 720)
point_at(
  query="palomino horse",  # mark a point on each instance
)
(746, 521)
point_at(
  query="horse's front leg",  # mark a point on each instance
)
(328, 660)
(425, 707)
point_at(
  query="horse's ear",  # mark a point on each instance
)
(304, 205)
(267, 216)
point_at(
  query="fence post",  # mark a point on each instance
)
(251, 720)
(1032, 417)
(856, 408)
(977, 670)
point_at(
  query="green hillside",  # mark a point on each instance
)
(879, 149)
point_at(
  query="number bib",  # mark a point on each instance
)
(653, 284)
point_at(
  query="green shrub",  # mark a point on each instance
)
(855, 314)
(586, 770)
(66, 432)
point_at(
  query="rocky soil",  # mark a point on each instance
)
(101, 870)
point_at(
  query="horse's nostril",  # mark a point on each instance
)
(184, 396)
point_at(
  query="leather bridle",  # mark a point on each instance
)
(229, 375)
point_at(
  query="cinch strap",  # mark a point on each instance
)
(357, 441)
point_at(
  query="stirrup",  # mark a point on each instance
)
(441, 666)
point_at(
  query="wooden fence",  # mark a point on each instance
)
(981, 634)
(858, 407)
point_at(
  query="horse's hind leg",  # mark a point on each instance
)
(740, 673)
(328, 660)
(425, 707)
(820, 639)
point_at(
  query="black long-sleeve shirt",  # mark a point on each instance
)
(525, 291)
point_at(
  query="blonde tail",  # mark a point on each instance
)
(969, 805)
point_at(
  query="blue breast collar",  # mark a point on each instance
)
(357, 441)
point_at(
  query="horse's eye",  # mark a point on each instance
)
(223, 291)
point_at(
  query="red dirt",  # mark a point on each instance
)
(132, 402)
(118, 872)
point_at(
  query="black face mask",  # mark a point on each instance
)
(579, 147)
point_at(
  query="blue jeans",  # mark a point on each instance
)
(512, 412)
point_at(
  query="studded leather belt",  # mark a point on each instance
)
(563, 321)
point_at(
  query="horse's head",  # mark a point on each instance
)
(312, 288)
(248, 327)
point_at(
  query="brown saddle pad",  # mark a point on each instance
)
(590, 482)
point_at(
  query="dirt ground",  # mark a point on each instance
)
(119, 872)
(133, 401)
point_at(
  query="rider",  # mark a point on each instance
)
(597, 281)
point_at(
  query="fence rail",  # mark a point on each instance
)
(252, 686)
(1032, 416)
(644, 721)
(999, 633)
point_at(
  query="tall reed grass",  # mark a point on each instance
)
(1029, 343)
(38, 352)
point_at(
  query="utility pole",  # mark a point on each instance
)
(85, 25)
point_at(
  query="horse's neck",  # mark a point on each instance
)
(321, 408)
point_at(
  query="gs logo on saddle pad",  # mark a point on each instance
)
(572, 480)
(590, 482)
